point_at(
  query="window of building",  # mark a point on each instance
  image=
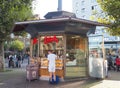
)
(82, 2)
(83, 16)
(93, 1)
(77, 4)
(94, 7)
(83, 10)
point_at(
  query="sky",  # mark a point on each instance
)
(42, 7)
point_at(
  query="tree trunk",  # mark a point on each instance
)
(2, 60)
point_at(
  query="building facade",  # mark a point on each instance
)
(90, 9)
(85, 8)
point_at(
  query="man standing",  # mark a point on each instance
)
(110, 63)
(51, 64)
(19, 61)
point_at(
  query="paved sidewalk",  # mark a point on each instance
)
(108, 84)
(16, 78)
(113, 81)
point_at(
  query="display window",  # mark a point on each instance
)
(71, 55)
(75, 56)
(54, 43)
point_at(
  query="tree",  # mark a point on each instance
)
(17, 45)
(111, 9)
(10, 12)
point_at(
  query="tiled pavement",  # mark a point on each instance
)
(17, 79)
(113, 81)
(108, 84)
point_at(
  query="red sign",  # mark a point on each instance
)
(50, 39)
(35, 41)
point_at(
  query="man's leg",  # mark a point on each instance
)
(50, 76)
(50, 73)
(54, 75)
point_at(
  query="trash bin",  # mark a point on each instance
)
(32, 72)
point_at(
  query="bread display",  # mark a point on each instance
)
(58, 62)
(59, 65)
(44, 62)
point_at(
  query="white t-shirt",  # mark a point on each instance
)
(51, 59)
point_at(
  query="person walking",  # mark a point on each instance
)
(110, 63)
(51, 65)
(19, 61)
(11, 62)
(117, 63)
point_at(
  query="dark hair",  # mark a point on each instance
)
(54, 52)
(49, 50)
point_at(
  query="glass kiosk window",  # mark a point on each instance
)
(54, 43)
(75, 56)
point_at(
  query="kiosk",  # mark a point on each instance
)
(66, 35)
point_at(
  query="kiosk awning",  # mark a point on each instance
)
(65, 25)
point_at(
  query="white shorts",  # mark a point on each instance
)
(51, 68)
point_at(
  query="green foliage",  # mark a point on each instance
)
(10, 12)
(17, 45)
(111, 10)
